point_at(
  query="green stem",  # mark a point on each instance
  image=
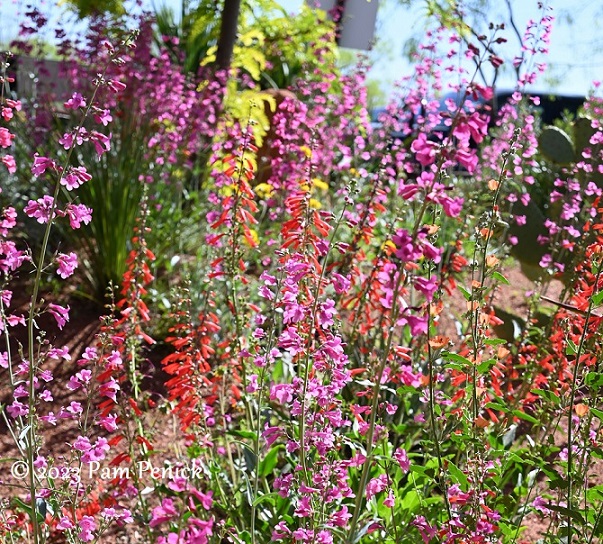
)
(373, 416)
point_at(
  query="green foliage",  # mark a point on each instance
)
(86, 8)
(114, 193)
(196, 32)
(274, 47)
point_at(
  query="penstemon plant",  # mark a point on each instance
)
(27, 368)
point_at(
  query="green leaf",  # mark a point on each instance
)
(497, 406)
(494, 341)
(465, 293)
(597, 298)
(250, 458)
(455, 358)
(268, 497)
(245, 536)
(526, 417)
(597, 413)
(410, 501)
(565, 511)
(485, 366)
(270, 461)
(498, 276)
(549, 395)
(251, 435)
(594, 379)
(458, 475)
(571, 348)
(22, 505)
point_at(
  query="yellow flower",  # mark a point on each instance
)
(306, 151)
(389, 245)
(314, 204)
(264, 190)
(320, 184)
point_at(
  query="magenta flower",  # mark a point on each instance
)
(6, 137)
(66, 140)
(64, 524)
(541, 505)
(163, 513)
(206, 499)
(116, 86)
(60, 314)
(103, 117)
(376, 485)
(291, 341)
(468, 159)
(9, 162)
(109, 389)
(8, 219)
(426, 286)
(75, 177)
(75, 102)
(59, 353)
(109, 423)
(17, 409)
(101, 143)
(78, 214)
(40, 209)
(402, 458)
(282, 392)
(424, 149)
(67, 263)
(87, 526)
(41, 164)
(340, 283)
(325, 313)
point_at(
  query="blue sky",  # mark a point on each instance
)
(574, 64)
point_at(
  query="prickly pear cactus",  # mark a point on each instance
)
(556, 145)
(583, 132)
(528, 251)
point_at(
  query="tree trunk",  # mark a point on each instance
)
(228, 33)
